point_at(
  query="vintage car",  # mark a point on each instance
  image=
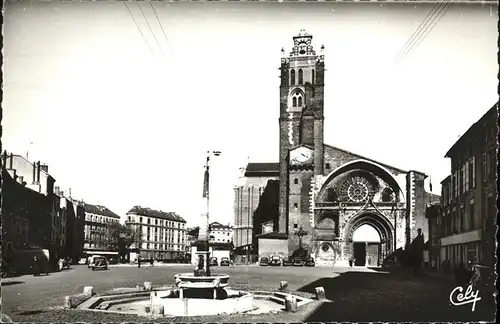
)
(298, 262)
(310, 262)
(287, 262)
(224, 262)
(275, 261)
(214, 262)
(264, 262)
(99, 262)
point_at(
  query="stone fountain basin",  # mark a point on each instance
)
(234, 302)
(189, 280)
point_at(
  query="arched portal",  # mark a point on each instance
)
(370, 237)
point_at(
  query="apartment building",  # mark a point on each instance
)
(162, 234)
(97, 222)
(219, 233)
(466, 224)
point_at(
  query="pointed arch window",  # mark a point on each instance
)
(297, 99)
(301, 76)
(313, 77)
(292, 77)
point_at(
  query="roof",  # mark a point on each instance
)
(273, 236)
(144, 211)
(32, 163)
(99, 210)
(217, 225)
(447, 179)
(368, 159)
(262, 168)
(490, 114)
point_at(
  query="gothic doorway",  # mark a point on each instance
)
(370, 236)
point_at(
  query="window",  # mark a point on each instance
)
(297, 99)
(292, 77)
(140, 219)
(327, 165)
(461, 181)
(462, 220)
(471, 217)
(483, 171)
(300, 101)
(296, 181)
(295, 205)
(156, 222)
(454, 185)
(472, 173)
(301, 76)
(149, 221)
(466, 176)
(313, 76)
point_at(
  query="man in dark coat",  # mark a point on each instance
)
(417, 251)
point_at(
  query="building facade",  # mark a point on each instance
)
(326, 193)
(219, 233)
(162, 234)
(255, 202)
(466, 222)
(98, 220)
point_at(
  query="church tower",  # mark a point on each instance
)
(301, 119)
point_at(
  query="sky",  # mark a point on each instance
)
(124, 118)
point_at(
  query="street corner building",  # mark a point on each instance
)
(321, 200)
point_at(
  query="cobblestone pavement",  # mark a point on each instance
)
(353, 294)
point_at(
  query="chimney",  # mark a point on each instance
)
(38, 172)
(20, 179)
(44, 167)
(56, 190)
(11, 160)
(34, 172)
(62, 193)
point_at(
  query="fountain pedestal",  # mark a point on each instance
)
(202, 264)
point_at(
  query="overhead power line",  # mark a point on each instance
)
(162, 29)
(425, 27)
(150, 28)
(138, 27)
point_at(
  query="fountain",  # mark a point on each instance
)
(200, 293)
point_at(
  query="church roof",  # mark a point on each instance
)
(262, 169)
(368, 159)
(144, 211)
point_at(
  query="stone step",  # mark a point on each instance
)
(127, 295)
(277, 300)
(107, 305)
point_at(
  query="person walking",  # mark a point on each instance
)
(138, 262)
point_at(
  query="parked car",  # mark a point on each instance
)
(99, 262)
(275, 261)
(213, 261)
(224, 262)
(286, 262)
(310, 262)
(264, 262)
(298, 262)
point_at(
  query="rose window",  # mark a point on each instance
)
(356, 189)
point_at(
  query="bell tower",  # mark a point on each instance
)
(301, 111)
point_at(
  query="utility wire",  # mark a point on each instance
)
(423, 26)
(430, 27)
(139, 28)
(162, 29)
(417, 30)
(150, 28)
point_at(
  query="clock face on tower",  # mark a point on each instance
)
(300, 155)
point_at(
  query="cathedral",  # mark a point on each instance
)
(324, 194)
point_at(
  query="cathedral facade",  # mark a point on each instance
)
(327, 193)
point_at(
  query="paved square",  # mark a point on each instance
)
(353, 294)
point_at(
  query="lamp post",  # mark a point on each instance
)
(203, 236)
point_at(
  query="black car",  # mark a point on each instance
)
(213, 261)
(310, 262)
(298, 262)
(275, 261)
(224, 262)
(264, 262)
(286, 262)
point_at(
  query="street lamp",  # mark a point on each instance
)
(203, 246)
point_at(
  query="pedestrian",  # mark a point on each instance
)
(152, 262)
(35, 266)
(138, 262)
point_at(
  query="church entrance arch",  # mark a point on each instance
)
(370, 237)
